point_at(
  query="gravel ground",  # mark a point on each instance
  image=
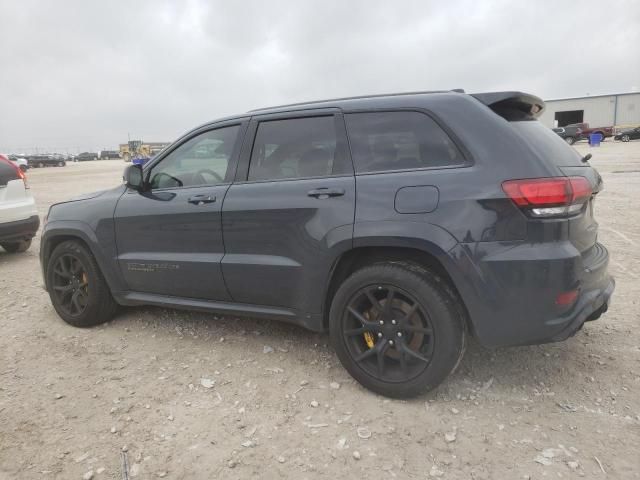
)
(191, 395)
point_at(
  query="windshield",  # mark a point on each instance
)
(547, 144)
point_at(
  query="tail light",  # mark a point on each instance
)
(549, 197)
(18, 170)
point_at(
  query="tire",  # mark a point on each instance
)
(602, 135)
(16, 247)
(61, 164)
(435, 331)
(40, 165)
(94, 303)
(570, 140)
(625, 138)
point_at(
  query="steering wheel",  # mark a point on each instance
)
(210, 172)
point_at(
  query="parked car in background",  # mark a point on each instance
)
(19, 220)
(85, 156)
(400, 223)
(19, 161)
(628, 135)
(108, 155)
(569, 134)
(40, 161)
(588, 130)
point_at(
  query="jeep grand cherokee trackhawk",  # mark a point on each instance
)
(399, 223)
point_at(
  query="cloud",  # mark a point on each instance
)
(80, 75)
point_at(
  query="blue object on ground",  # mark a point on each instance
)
(595, 139)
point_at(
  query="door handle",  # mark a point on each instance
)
(201, 199)
(324, 192)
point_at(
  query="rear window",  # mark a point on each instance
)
(385, 141)
(547, 144)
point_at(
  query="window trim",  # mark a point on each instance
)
(342, 144)
(233, 158)
(466, 155)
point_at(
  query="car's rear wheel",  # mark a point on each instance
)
(40, 165)
(76, 286)
(396, 329)
(61, 164)
(16, 247)
(570, 140)
(625, 138)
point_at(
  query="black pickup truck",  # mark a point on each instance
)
(569, 134)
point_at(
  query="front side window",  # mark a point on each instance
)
(202, 160)
(294, 148)
(384, 141)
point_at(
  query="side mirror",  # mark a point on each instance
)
(133, 177)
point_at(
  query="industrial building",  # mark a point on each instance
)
(619, 109)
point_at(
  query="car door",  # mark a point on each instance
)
(289, 215)
(169, 238)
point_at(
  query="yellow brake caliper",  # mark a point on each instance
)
(368, 337)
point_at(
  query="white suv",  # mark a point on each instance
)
(19, 220)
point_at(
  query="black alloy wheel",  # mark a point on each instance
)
(397, 328)
(77, 288)
(388, 333)
(70, 284)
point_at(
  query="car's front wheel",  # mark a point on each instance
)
(397, 329)
(76, 286)
(570, 140)
(16, 247)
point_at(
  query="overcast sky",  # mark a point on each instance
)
(79, 75)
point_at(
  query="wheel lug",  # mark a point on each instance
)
(399, 334)
(393, 322)
(381, 322)
(379, 335)
(391, 342)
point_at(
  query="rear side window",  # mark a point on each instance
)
(547, 144)
(296, 148)
(384, 141)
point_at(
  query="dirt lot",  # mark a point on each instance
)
(282, 406)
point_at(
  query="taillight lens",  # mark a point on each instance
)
(18, 170)
(549, 197)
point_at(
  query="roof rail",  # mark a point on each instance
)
(377, 95)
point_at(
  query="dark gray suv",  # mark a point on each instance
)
(399, 223)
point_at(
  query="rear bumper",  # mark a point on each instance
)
(589, 307)
(510, 290)
(19, 230)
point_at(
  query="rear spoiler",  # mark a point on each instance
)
(507, 103)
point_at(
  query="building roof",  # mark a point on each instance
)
(592, 96)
